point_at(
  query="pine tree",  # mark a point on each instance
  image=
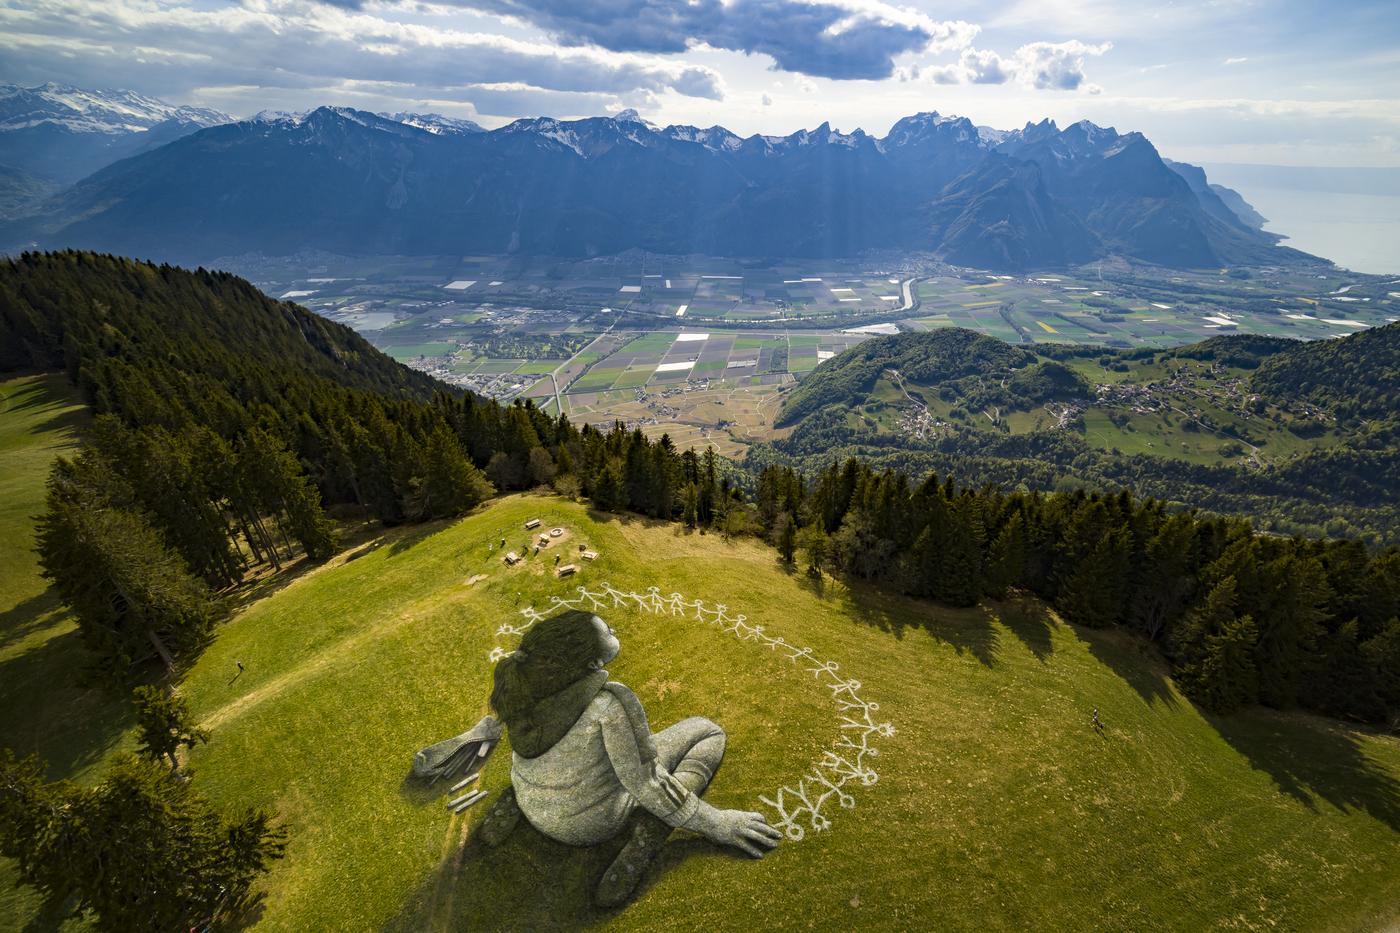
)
(164, 725)
(785, 535)
(139, 851)
(1290, 622)
(1165, 578)
(129, 592)
(1093, 593)
(1382, 655)
(609, 490)
(1226, 679)
(815, 545)
(449, 483)
(1006, 558)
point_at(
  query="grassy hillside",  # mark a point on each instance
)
(997, 805)
(1226, 424)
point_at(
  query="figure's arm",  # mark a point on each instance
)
(654, 788)
(663, 794)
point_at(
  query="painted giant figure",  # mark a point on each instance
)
(586, 765)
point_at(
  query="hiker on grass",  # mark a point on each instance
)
(585, 765)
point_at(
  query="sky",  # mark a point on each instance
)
(1277, 82)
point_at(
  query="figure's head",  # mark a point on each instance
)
(553, 654)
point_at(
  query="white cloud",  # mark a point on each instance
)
(1040, 65)
(1235, 61)
(767, 101)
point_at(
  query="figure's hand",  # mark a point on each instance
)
(745, 830)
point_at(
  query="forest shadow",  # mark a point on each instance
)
(411, 539)
(361, 541)
(966, 631)
(53, 913)
(529, 882)
(27, 617)
(629, 518)
(1030, 621)
(1134, 659)
(1310, 759)
(69, 421)
(76, 724)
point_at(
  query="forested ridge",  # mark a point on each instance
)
(1345, 488)
(1358, 375)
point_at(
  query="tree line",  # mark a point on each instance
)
(1243, 618)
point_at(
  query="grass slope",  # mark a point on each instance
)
(997, 805)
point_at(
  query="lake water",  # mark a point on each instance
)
(1350, 216)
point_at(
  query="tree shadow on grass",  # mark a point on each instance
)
(529, 882)
(364, 540)
(409, 539)
(1030, 621)
(50, 712)
(1134, 659)
(27, 617)
(967, 631)
(1314, 760)
(51, 914)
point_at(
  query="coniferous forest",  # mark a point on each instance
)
(231, 429)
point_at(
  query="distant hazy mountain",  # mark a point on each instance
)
(60, 134)
(352, 182)
(1215, 197)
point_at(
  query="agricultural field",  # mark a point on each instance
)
(727, 416)
(642, 330)
(1154, 310)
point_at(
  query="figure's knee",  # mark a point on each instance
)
(707, 730)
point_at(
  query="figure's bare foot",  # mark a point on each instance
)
(500, 820)
(619, 882)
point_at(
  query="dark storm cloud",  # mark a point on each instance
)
(842, 39)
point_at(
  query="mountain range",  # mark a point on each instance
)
(353, 182)
(59, 134)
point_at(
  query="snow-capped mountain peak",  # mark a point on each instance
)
(80, 110)
(436, 123)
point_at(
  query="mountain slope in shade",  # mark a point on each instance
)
(20, 191)
(1000, 216)
(353, 182)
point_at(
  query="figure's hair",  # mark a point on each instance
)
(553, 654)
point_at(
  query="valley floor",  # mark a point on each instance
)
(997, 804)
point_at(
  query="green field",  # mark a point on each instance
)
(996, 805)
(408, 351)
